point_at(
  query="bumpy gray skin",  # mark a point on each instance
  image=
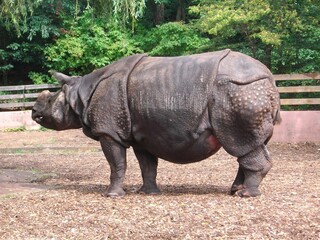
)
(181, 109)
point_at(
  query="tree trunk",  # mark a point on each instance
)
(158, 16)
(181, 11)
(157, 12)
(267, 58)
(5, 78)
(3, 62)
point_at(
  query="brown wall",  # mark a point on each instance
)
(298, 126)
(17, 119)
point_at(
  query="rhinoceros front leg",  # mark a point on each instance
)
(253, 167)
(148, 165)
(116, 156)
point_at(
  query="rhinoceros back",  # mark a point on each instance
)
(173, 83)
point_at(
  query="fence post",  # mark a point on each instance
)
(24, 96)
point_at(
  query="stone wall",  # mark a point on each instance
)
(16, 119)
(298, 126)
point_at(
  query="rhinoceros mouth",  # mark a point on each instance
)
(36, 116)
(38, 119)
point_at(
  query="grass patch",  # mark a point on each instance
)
(20, 151)
(8, 196)
(17, 129)
(43, 129)
(23, 129)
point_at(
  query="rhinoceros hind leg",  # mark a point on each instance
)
(116, 156)
(253, 167)
(148, 165)
(238, 182)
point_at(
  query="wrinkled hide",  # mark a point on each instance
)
(228, 94)
(181, 109)
(73, 100)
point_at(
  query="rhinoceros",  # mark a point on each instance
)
(180, 109)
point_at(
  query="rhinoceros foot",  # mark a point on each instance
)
(115, 193)
(153, 190)
(248, 192)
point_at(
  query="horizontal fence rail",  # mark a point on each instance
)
(23, 97)
(297, 76)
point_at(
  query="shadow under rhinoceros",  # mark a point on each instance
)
(173, 190)
(195, 189)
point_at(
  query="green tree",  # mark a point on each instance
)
(128, 9)
(120, 11)
(90, 42)
(172, 39)
(273, 31)
(29, 28)
(77, 36)
(14, 13)
(300, 50)
(22, 50)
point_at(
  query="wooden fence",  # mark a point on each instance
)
(23, 97)
(315, 88)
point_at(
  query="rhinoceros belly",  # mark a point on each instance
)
(174, 142)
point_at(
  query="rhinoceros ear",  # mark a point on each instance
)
(64, 79)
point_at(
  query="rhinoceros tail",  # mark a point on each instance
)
(275, 102)
(276, 117)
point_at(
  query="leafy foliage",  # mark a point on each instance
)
(120, 11)
(41, 78)
(277, 33)
(172, 39)
(78, 36)
(13, 13)
(4, 67)
(19, 53)
(129, 9)
(90, 43)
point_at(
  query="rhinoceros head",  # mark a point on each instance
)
(53, 110)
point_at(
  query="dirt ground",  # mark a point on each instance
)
(52, 185)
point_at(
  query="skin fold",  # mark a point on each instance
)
(180, 109)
